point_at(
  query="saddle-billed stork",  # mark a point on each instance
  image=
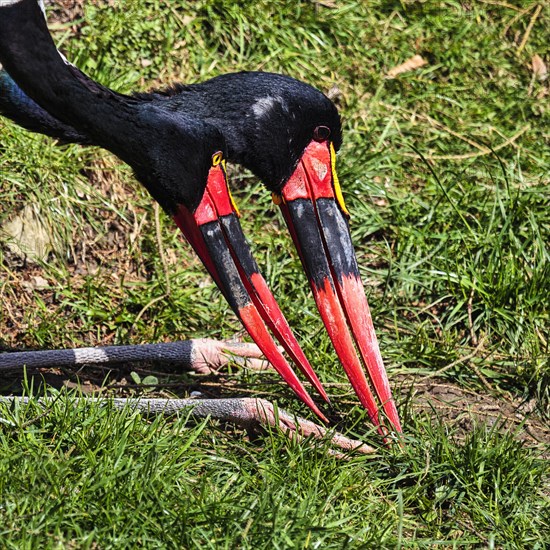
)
(287, 133)
(179, 159)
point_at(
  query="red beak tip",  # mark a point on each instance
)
(323, 417)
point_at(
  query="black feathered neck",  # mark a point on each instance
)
(266, 119)
(171, 152)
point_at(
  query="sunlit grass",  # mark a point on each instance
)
(91, 475)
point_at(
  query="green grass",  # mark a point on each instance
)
(445, 171)
(79, 476)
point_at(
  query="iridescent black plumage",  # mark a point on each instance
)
(182, 145)
(266, 119)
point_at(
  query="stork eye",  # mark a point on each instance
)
(217, 158)
(321, 133)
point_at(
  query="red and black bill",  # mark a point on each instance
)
(314, 210)
(215, 233)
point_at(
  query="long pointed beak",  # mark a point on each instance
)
(314, 210)
(215, 233)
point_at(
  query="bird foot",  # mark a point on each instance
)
(202, 355)
(261, 412)
(249, 413)
(210, 356)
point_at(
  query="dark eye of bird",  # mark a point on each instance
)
(321, 133)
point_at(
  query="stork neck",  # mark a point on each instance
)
(19, 107)
(28, 53)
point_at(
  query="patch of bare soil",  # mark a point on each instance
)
(65, 11)
(109, 253)
(463, 408)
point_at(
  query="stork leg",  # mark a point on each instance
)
(249, 413)
(202, 355)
